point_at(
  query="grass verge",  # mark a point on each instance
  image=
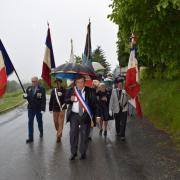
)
(10, 100)
(161, 104)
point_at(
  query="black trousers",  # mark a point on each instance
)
(120, 123)
(78, 129)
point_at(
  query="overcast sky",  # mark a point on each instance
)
(23, 29)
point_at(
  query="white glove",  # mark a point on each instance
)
(42, 112)
(110, 112)
(25, 95)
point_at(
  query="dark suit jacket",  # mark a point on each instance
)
(37, 101)
(90, 98)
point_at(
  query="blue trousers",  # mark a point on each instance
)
(31, 115)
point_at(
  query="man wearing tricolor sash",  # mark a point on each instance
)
(81, 112)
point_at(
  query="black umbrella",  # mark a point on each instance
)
(70, 70)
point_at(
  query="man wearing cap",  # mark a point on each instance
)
(36, 97)
(79, 98)
(119, 106)
(57, 106)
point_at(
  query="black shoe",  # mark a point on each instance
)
(89, 139)
(41, 135)
(73, 157)
(123, 138)
(100, 132)
(105, 133)
(29, 141)
(83, 156)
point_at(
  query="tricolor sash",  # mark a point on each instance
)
(83, 103)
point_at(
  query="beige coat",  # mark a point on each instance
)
(114, 103)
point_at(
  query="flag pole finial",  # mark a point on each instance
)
(133, 39)
(48, 24)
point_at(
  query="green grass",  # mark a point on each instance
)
(161, 104)
(10, 99)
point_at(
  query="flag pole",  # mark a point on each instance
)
(18, 79)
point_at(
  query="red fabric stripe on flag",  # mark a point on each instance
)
(131, 86)
(138, 107)
(3, 81)
(45, 75)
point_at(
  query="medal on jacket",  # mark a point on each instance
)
(59, 93)
(39, 95)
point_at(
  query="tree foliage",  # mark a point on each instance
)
(157, 27)
(78, 59)
(98, 56)
(13, 86)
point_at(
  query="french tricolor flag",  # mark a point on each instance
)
(131, 85)
(48, 62)
(6, 68)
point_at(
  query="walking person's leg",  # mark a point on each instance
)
(105, 127)
(123, 125)
(40, 123)
(117, 123)
(55, 118)
(61, 123)
(74, 135)
(101, 126)
(31, 115)
(84, 132)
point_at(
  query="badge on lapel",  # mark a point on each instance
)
(39, 95)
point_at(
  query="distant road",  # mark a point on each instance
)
(146, 154)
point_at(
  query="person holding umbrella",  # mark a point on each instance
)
(82, 107)
(57, 106)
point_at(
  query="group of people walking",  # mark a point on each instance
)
(84, 107)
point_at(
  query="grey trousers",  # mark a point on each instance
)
(78, 130)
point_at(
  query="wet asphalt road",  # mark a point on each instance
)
(147, 153)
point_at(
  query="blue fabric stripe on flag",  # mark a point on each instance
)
(49, 45)
(7, 61)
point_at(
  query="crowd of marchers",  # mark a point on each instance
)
(84, 108)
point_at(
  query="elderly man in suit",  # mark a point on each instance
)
(119, 106)
(80, 99)
(36, 97)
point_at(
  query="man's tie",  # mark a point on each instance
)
(80, 107)
(120, 91)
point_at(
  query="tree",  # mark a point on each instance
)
(157, 27)
(13, 86)
(98, 56)
(78, 59)
(122, 55)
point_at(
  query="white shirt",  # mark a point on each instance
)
(76, 104)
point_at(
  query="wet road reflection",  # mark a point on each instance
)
(140, 157)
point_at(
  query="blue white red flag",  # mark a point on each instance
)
(131, 85)
(48, 62)
(6, 68)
